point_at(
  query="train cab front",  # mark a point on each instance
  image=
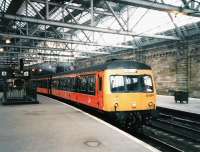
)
(130, 94)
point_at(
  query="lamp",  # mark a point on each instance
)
(8, 41)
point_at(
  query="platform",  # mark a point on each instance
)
(54, 127)
(193, 105)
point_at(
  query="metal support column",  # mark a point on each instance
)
(92, 16)
(115, 16)
(92, 12)
(47, 10)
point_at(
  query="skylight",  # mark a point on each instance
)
(4, 5)
(141, 21)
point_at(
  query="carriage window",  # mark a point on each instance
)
(83, 84)
(129, 83)
(69, 86)
(60, 84)
(44, 83)
(86, 84)
(78, 84)
(64, 84)
(55, 83)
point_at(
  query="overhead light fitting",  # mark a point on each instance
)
(14, 26)
(177, 13)
(1, 49)
(8, 41)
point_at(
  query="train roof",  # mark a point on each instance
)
(113, 64)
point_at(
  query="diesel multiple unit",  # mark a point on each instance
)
(122, 89)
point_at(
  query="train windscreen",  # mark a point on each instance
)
(131, 83)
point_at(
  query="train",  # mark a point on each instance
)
(123, 90)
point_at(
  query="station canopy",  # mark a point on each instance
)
(66, 30)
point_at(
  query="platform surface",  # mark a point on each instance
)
(54, 127)
(193, 105)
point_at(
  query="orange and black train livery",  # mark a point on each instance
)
(123, 89)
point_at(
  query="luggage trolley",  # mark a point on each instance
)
(181, 96)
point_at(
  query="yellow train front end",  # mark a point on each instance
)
(130, 95)
(129, 90)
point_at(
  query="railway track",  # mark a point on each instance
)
(166, 141)
(179, 115)
(180, 131)
(167, 146)
(184, 127)
(169, 132)
(158, 143)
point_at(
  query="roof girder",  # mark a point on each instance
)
(83, 27)
(159, 6)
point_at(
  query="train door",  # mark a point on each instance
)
(100, 90)
(49, 84)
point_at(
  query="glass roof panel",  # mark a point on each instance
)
(83, 17)
(4, 5)
(58, 15)
(32, 10)
(71, 3)
(20, 24)
(141, 20)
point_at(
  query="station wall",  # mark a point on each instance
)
(195, 73)
(175, 66)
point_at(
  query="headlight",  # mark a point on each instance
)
(150, 104)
